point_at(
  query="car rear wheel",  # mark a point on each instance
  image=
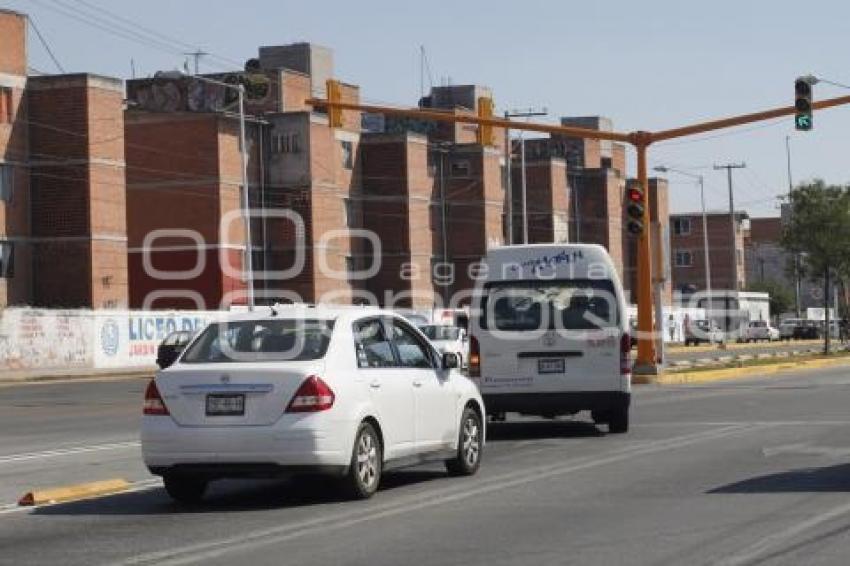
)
(618, 421)
(469, 445)
(184, 488)
(364, 472)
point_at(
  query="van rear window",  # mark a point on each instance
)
(574, 304)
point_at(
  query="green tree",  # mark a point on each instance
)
(819, 230)
(781, 297)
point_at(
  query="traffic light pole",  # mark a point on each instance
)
(646, 359)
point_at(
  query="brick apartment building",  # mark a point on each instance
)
(549, 197)
(591, 186)
(62, 226)
(687, 255)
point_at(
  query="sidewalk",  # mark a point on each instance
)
(81, 374)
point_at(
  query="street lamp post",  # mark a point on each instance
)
(699, 178)
(244, 196)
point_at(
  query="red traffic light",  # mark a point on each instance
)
(635, 195)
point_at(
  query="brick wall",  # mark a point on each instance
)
(720, 253)
(13, 43)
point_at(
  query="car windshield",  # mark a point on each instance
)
(576, 304)
(440, 332)
(261, 341)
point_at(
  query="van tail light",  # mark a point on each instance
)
(154, 405)
(625, 354)
(313, 395)
(474, 357)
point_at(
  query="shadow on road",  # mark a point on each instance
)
(535, 430)
(227, 496)
(804, 480)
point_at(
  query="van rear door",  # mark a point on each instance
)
(550, 336)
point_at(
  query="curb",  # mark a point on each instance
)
(22, 378)
(725, 374)
(76, 492)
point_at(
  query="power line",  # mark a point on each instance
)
(45, 44)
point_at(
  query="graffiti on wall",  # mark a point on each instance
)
(44, 339)
(167, 92)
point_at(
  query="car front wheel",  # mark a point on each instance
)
(470, 441)
(364, 472)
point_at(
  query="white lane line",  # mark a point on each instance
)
(753, 552)
(210, 550)
(67, 451)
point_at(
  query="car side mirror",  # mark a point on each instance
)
(167, 354)
(450, 360)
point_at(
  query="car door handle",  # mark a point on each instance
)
(375, 385)
(417, 384)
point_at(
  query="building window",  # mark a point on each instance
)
(684, 259)
(6, 113)
(7, 259)
(287, 142)
(460, 168)
(349, 212)
(7, 182)
(681, 226)
(347, 154)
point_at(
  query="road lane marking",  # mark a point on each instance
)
(758, 549)
(209, 550)
(67, 451)
(803, 449)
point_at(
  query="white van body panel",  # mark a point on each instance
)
(525, 361)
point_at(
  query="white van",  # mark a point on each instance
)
(549, 333)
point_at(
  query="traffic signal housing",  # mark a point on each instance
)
(634, 209)
(803, 104)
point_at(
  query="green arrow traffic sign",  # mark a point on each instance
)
(803, 121)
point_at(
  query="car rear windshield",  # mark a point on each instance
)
(437, 332)
(574, 304)
(261, 341)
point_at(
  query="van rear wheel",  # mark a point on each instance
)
(618, 421)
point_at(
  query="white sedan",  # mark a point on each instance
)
(345, 391)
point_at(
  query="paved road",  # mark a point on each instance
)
(751, 472)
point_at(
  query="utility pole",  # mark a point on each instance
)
(509, 182)
(734, 241)
(196, 56)
(530, 112)
(797, 309)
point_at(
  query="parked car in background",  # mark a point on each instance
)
(171, 347)
(808, 330)
(786, 328)
(698, 331)
(448, 338)
(342, 391)
(758, 331)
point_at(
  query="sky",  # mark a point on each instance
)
(648, 65)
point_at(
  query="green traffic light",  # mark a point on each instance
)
(803, 122)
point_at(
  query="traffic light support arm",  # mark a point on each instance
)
(646, 360)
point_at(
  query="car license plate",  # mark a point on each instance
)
(551, 366)
(219, 405)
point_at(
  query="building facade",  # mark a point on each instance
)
(62, 183)
(688, 266)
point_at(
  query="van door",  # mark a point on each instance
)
(550, 336)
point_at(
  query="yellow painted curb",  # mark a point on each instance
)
(74, 492)
(725, 374)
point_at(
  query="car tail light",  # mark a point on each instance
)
(312, 395)
(154, 405)
(474, 357)
(625, 354)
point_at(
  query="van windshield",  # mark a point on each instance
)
(261, 341)
(574, 304)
